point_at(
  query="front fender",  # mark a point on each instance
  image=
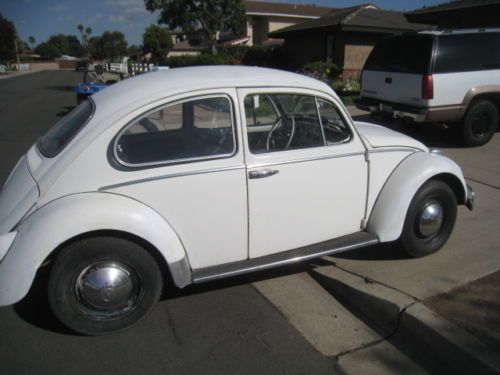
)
(73, 215)
(389, 212)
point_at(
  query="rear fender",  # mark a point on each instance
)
(71, 216)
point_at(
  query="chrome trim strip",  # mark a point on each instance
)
(394, 149)
(283, 262)
(303, 160)
(172, 175)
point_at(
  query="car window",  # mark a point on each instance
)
(63, 132)
(189, 130)
(401, 54)
(280, 122)
(467, 52)
(335, 128)
(260, 111)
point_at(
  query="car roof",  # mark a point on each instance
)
(145, 88)
(460, 31)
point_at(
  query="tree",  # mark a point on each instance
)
(110, 45)
(7, 37)
(48, 50)
(84, 34)
(134, 52)
(32, 41)
(157, 41)
(210, 15)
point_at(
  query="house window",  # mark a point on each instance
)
(329, 48)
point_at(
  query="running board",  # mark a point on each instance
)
(337, 245)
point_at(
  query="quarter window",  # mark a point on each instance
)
(280, 122)
(335, 128)
(189, 130)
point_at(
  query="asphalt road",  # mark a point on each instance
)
(225, 327)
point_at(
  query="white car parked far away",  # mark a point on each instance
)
(202, 173)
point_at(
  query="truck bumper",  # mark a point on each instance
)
(447, 113)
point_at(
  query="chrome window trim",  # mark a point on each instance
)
(183, 160)
(341, 115)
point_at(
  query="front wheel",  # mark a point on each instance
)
(103, 284)
(430, 219)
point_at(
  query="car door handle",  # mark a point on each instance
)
(388, 80)
(262, 173)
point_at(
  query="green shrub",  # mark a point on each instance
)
(203, 59)
(322, 70)
(349, 86)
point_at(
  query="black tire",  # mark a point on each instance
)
(78, 268)
(479, 123)
(414, 239)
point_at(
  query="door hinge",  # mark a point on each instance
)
(367, 155)
(363, 224)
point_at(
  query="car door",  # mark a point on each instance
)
(183, 160)
(307, 178)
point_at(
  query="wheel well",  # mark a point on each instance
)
(492, 97)
(454, 183)
(155, 253)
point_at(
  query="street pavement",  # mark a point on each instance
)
(220, 328)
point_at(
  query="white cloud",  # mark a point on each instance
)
(117, 18)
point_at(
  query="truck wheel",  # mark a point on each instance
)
(430, 219)
(103, 284)
(479, 123)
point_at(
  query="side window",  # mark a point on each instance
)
(193, 129)
(280, 122)
(334, 126)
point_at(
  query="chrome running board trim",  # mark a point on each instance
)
(337, 245)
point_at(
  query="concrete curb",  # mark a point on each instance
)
(412, 321)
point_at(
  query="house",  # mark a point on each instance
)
(263, 17)
(344, 37)
(459, 14)
(266, 17)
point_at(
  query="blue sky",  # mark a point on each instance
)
(42, 18)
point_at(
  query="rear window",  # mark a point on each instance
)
(63, 132)
(467, 52)
(401, 54)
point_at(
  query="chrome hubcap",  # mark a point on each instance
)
(107, 289)
(430, 219)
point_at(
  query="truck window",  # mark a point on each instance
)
(402, 54)
(467, 52)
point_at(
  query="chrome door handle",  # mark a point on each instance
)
(262, 173)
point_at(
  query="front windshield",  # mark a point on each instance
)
(63, 132)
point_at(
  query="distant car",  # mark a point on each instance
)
(448, 76)
(197, 174)
(81, 66)
(96, 80)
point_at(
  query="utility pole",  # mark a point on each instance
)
(17, 54)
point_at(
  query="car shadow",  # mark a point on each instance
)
(35, 310)
(432, 135)
(60, 88)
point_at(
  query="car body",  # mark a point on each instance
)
(96, 80)
(203, 173)
(450, 76)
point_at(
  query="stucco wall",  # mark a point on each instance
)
(357, 48)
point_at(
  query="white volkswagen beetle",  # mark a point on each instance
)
(203, 173)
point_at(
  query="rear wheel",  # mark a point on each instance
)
(430, 219)
(103, 284)
(479, 123)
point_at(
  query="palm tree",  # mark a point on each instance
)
(80, 28)
(32, 41)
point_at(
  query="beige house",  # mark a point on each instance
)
(263, 18)
(266, 17)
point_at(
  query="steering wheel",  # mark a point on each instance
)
(279, 135)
